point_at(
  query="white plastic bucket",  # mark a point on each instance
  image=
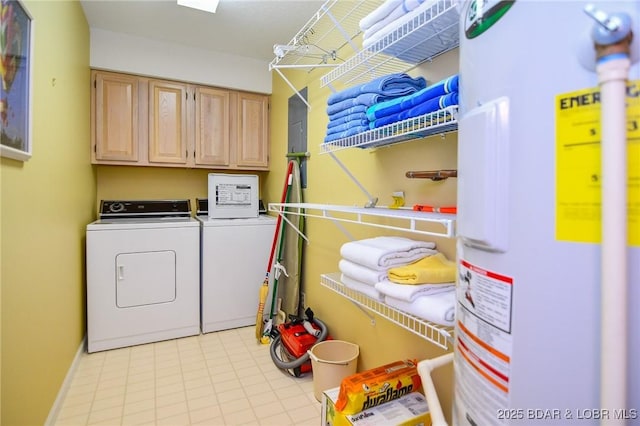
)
(332, 361)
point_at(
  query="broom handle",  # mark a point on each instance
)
(283, 199)
(264, 288)
(280, 244)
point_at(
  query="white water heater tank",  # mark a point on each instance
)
(528, 344)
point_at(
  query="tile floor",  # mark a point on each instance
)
(222, 378)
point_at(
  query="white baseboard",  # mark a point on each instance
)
(66, 384)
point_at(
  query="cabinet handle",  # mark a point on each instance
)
(120, 273)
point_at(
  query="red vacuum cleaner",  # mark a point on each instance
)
(292, 341)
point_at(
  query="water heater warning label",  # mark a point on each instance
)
(484, 344)
(486, 295)
(578, 165)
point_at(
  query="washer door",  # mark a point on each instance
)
(145, 278)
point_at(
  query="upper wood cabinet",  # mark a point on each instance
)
(152, 122)
(114, 118)
(212, 114)
(168, 122)
(253, 130)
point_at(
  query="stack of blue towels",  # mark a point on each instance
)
(430, 99)
(386, 100)
(347, 110)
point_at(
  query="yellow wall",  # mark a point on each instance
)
(46, 204)
(139, 183)
(381, 172)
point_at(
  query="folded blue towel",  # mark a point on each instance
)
(360, 117)
(392, 85)
(351, 132)
(430, 105)
(382, 109)
(366, 99)
(448, 85)
(352, 110)
(346, 126)
(394, 106)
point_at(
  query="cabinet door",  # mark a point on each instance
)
(115, 118)
(212, 127)
(167, 122)
(252, 131)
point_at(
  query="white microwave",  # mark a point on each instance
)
(233, 196)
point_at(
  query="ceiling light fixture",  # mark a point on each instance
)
(206, 5)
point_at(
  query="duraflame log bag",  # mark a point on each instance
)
(373, 387)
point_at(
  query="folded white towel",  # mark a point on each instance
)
(380, 253)
(404, 8)
(364, 288)
(410, 292)
(361, 273)
(379, 13)
(372, 37)
(438, 308)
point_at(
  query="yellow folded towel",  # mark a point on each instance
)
(433, 269)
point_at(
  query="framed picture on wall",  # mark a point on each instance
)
(16, 64)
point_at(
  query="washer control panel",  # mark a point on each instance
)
(144, 208)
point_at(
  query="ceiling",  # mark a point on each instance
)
(246, 28)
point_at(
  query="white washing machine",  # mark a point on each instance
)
(143, 273)
(234, 256)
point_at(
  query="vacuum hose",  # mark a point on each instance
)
(289, 365)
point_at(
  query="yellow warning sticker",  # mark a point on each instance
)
(578, 169)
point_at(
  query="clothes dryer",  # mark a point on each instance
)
(142, 273)
(234, 256)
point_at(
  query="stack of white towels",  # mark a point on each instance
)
(385, 269)
(388, 17)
